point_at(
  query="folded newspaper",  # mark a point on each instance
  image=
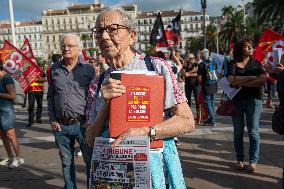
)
(125, 166)
(229, 91)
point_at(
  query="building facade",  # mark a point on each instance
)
(79, 19)
(45, 36)
(30, 30)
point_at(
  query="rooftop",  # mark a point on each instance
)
(173, 13)
(19, 24)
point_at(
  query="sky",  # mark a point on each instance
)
(27, 10)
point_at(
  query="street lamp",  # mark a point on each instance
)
(244, 9)
(217, 39)
(12, 22)
(203, 6)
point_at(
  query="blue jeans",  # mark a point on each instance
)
(251, 109)
(7, 118)
(65, 141)
(209, 101)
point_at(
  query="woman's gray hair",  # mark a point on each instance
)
(129, 22)
(74, 36)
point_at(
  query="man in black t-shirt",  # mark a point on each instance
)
(207, 78)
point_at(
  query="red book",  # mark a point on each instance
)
(142, 104)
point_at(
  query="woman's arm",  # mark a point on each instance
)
(180, 123)
(176, 60)
(192, 73)
(238, 80)
(260, 81)
(11, 92)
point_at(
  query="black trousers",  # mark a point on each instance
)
(32, 97)
(189, 89)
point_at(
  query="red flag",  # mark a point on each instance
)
(202, 114)
(231, 45)
(266, 44)
(26, 49)
(173, 31)
(19, 65)
(85, 55)
(158, 35)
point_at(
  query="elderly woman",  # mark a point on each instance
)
(115, 37)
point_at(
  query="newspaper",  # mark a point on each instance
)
(229, 91)
(126, 166)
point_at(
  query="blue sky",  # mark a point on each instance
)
(25, 10)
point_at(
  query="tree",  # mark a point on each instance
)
(211, 33)
(195, 44)
(233, 28)
(254, 29)
(271, 12)
(227, 11)
(85, 38)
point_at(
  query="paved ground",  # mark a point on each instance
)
(207, 158)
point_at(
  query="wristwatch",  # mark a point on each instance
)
(152, 133)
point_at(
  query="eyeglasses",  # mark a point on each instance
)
(63, 46)
(112, 30)
(191, 58)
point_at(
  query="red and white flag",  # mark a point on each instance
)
(27, 50)
(19, 65)
(269, 40)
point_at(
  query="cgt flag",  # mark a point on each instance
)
(26, 49)
(158, 36)
(173, 31)
(19, 65)
(268, 41)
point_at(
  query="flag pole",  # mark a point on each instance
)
(12, 22)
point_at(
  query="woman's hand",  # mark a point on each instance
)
(279, 68)
(112, 89)
(143, 131)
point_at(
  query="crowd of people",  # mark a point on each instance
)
(79, 94)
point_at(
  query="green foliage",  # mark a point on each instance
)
(194, 44)
(233, 28)
(270, 12)
(227, 11)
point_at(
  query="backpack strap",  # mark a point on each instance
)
(149, 64)
(101, 79)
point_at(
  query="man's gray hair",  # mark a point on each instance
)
(129, 22)
(74, 36)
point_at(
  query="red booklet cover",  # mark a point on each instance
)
(142, 104)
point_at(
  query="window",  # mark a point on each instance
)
(196, 18)
(196, 26)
